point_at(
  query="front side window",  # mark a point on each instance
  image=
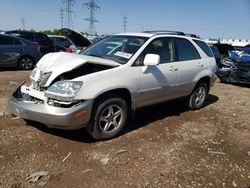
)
(163, 47)
(4, 40)
(117, 48)
(185, 50)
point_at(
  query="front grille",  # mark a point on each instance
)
(39, 85)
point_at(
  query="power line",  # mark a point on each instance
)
(92, 6)
(124, 23)
(61, 16)
(68, 11)
(23, 23)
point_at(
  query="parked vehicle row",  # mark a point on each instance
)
(16, 51)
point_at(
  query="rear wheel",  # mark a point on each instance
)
(26, 63)
(108, 118)
(198, 96)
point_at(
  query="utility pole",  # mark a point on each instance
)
(124, 23)
(61, 16)
(92, 6)
(23, 23)
(68, 11)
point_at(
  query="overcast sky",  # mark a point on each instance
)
(207, 18)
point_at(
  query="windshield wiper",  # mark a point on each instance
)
(94, 55)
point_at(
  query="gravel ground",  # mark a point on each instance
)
(165, 145)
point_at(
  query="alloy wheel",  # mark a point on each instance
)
(111, 118)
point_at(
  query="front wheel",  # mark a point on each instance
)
(109, 117)
(198, 96)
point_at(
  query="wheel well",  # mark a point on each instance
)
(205, 79)
(121, 92)
(26, 56)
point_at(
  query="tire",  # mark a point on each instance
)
(109, 117)
(198, 96)
(26, 63)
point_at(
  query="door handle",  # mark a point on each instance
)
(200, 65)
(173, 69)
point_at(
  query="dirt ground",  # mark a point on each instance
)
(165, 145)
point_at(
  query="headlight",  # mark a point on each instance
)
(34, 74)
(64, 90)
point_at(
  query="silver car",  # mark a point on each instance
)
(100, 87)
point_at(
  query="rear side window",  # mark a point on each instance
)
(204, 47)
(41, 37)
(185, 50)
(27, 36)
(4, 40)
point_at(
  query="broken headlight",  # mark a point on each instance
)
(63, 90)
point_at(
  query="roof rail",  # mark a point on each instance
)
(158, 32)
(192, 35)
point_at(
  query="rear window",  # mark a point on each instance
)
(185, 49)
(204, 47)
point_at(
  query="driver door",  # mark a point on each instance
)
(156, 83)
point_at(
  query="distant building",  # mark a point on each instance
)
(233, 42)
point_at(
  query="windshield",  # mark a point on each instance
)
(117, 48)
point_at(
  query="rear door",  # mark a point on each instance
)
(10, 50)
(189, 64)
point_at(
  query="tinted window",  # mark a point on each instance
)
(204, 47)
(4, 40)
(17, 42)
(41, 37)
(61, 39)
(186, 50)
(27, 36)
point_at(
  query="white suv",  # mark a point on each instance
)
(100, 87)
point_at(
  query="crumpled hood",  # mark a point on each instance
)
(60, 62)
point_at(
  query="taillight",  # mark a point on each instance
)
(69, 50)
(36, 46)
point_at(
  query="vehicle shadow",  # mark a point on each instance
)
(157, 112)
(8, 69)
(246, 85)
(242, 85)
(142, 118)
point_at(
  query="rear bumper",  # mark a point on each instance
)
(70, 118)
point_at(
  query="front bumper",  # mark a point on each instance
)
(70, 118)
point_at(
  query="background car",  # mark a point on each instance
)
(224, 48)
(217, 55)
(17, 52)
(60, 40)
(46, 44)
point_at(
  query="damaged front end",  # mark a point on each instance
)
(50, 95)
(35, 106)
(234, 71)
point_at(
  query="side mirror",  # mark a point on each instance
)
(151, 60)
